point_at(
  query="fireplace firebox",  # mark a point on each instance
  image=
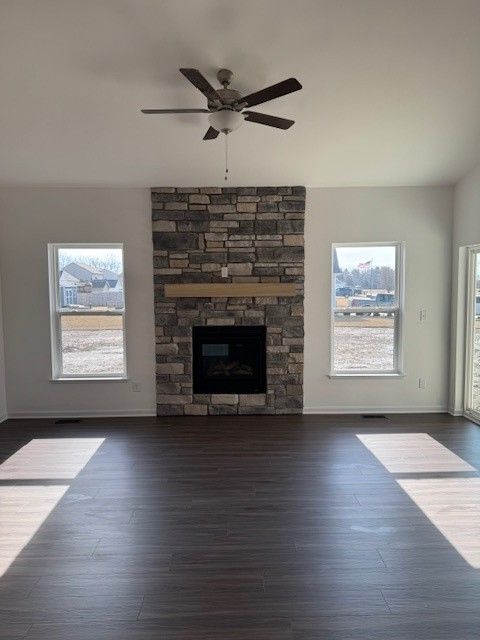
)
(229, 359)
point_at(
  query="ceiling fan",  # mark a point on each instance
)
(227, 108)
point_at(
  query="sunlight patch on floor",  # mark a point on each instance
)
(453, 506)
(25, 507)
(50, 459)
(412, 453)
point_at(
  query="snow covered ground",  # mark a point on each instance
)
(92, 345)
(93, 352)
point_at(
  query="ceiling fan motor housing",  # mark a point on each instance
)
(228, 97)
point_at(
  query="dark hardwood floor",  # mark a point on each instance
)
(242, 528)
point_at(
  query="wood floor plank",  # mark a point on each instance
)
(393, 627)
(44, 608)
(142, 630)
(9, 631)
(271, 528)
(456, 598)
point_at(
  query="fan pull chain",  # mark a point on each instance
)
(226, 156)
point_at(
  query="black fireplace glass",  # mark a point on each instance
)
(229, 359)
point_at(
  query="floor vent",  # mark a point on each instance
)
(68, 421)
(374, 416)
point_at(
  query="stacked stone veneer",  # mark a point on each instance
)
(257, 232)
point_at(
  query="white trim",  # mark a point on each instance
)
(398, 311)
(371, 374)
(93, 312)
(3, 418)
(457, 413)
(339, 409)
(56, 313)
(143, 413)
(100, 413)
(457, 369)
(365, 311)
(473, 254)
(88, 379)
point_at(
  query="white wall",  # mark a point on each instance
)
(3, 396)
(466, 231)
(30, 218)
(422, 217)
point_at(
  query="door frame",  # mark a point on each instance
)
(472, 253)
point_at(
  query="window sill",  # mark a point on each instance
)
(366, 375)
(61, 380)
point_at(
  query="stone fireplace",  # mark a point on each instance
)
(209, 351)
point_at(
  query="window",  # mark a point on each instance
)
(367, 309)
(87, 311)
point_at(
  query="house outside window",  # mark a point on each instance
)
(87, 306)
(367, 309)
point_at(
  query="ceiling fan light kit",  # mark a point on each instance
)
(226, 107)
(226, 120)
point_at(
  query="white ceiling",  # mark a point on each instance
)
(391, 91)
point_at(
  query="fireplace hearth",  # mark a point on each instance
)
(229, 359)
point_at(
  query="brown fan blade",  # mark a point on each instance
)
(270, 121)
(175, 111)
(211, 134)
(272, 92)
(202, 84)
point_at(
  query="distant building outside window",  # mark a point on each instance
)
(87, 305)
(367, 309)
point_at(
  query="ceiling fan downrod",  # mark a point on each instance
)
(226, 156)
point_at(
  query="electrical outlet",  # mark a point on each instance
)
(224, 272)
(136, 388)
(423, 315)
(421, 383)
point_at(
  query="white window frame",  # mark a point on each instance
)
(398, 310)
(472, 253)
(56, 313)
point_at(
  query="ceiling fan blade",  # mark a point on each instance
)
(175, 111)
(272, 92)
(270, 121)
(202, 84)
(211, 134)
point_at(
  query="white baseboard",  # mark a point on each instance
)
(3, 418)
(137, 413)
(133, 413)
(357, 410)
(455, 412)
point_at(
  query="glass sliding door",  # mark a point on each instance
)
(472, 377)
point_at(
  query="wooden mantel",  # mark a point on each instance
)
(230, 290)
